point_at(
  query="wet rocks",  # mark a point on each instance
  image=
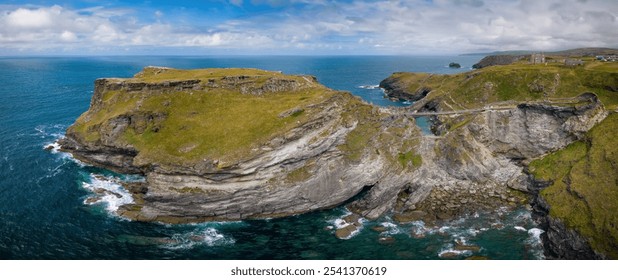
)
(346, 232)
(459, 246)
(477, 258)
(409, 216)
(379, 229)
(350, 225)
(385, 240)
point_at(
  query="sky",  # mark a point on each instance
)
(303, 27)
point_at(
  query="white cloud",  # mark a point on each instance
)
(25, 18)
(68, 36)
(387, 26)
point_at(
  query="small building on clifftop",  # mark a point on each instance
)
(537, 58)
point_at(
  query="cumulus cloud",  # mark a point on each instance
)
(299, 26)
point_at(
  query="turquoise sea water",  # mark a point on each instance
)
(43, 208)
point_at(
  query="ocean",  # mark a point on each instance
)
(45, 212)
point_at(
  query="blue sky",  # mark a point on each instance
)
(303, 27)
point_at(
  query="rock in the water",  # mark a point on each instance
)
(379, 229)
(454, 65)
(407, 217)
(449, 255)
(346, 232)
(92, 200)
(477, 258)
(386, 240)
(463, 247)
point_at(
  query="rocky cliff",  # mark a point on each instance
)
(230, 144)
(490, 124)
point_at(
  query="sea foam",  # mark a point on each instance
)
(108, 191)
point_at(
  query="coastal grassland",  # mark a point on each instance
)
(584, 185)
(157, 74)
(220, 125)
(516, 83)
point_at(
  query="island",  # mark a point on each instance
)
(234, 144)
(454, 65)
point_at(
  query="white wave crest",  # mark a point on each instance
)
(535, 241)
(207, 237)
(520, 228)
(369, 86)
(339, 223)
(108, 191)
(392, 228)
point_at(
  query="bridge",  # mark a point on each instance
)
(509, 105)
(461, 112)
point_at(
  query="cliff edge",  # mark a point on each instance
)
(542, 129)
(231, 144)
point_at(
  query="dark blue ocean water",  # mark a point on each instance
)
(43, 214)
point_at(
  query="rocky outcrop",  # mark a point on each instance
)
(560, 242)
(337, 147)
(481, 165)
(492, 60)
(396, 89)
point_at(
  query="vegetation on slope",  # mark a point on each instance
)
(584, 185)
(516, 83)
(217, 123)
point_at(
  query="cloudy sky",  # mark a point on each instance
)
(66, 27)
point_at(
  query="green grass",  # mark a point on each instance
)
(153, 74)
(213, 124)
(516, 82)
(359, 139)
(410, 158)
(584, 189)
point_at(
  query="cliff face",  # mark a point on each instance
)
(233, 144)
(578, 194)
(480, 165)
(502, 119)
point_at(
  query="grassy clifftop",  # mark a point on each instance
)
(583, 176)
(222, 116)
(584, 185)
(516, 82)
